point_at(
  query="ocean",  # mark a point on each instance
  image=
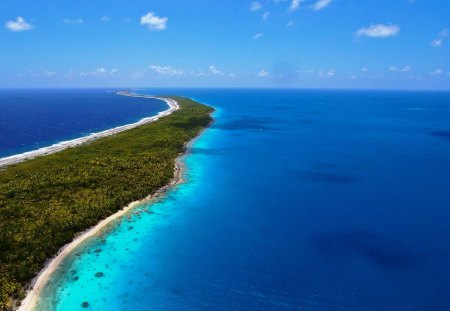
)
(292, 200)
(32, 119)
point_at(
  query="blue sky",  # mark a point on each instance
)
(361, 44)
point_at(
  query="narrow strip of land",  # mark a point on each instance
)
(30, 301)
(14, 159)
(47, 201)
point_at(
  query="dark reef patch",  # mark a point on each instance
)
(99, 275)
(382, 252)
(444, 134)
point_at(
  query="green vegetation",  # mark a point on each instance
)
(44, 202)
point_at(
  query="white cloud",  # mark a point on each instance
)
(406, 68)
(105, 19)
(20, 24)
(211, 71)
(167, 70)
(439, 42)
(232, 75)
(263, 74)
(154, 22)
(258, 35)
(437, 71)
(436, 43)
(198, 73)
(364, 69)
(50, 73)
(326, 74)
(444, 33)
(255, 6)
(99, 72)
(290, 24)
(321, 4)
(320, 73)
(214, 70)
(378, 31)
(295, 4)
(265, 16)
(76, 21)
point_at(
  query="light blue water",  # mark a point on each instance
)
(294, 200)
(32, 119)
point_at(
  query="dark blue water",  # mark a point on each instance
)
(31, 119)
(294, 200)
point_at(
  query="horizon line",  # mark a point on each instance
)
(224, 87)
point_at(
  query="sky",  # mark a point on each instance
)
(332, 44)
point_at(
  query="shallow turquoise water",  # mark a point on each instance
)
(118, 252)
(293, 200)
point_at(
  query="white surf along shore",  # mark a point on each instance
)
(38, 284)
(14, 159)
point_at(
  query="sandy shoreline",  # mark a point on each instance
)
(39, 282)
(14, 159)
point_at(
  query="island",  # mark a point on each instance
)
(54, 197)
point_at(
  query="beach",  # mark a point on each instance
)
(10, 160)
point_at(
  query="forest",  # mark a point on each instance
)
(46, 201)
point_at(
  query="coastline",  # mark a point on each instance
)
(39, 283)
(14, 159)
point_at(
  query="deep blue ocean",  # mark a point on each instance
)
(293, 200)
(31, 119)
